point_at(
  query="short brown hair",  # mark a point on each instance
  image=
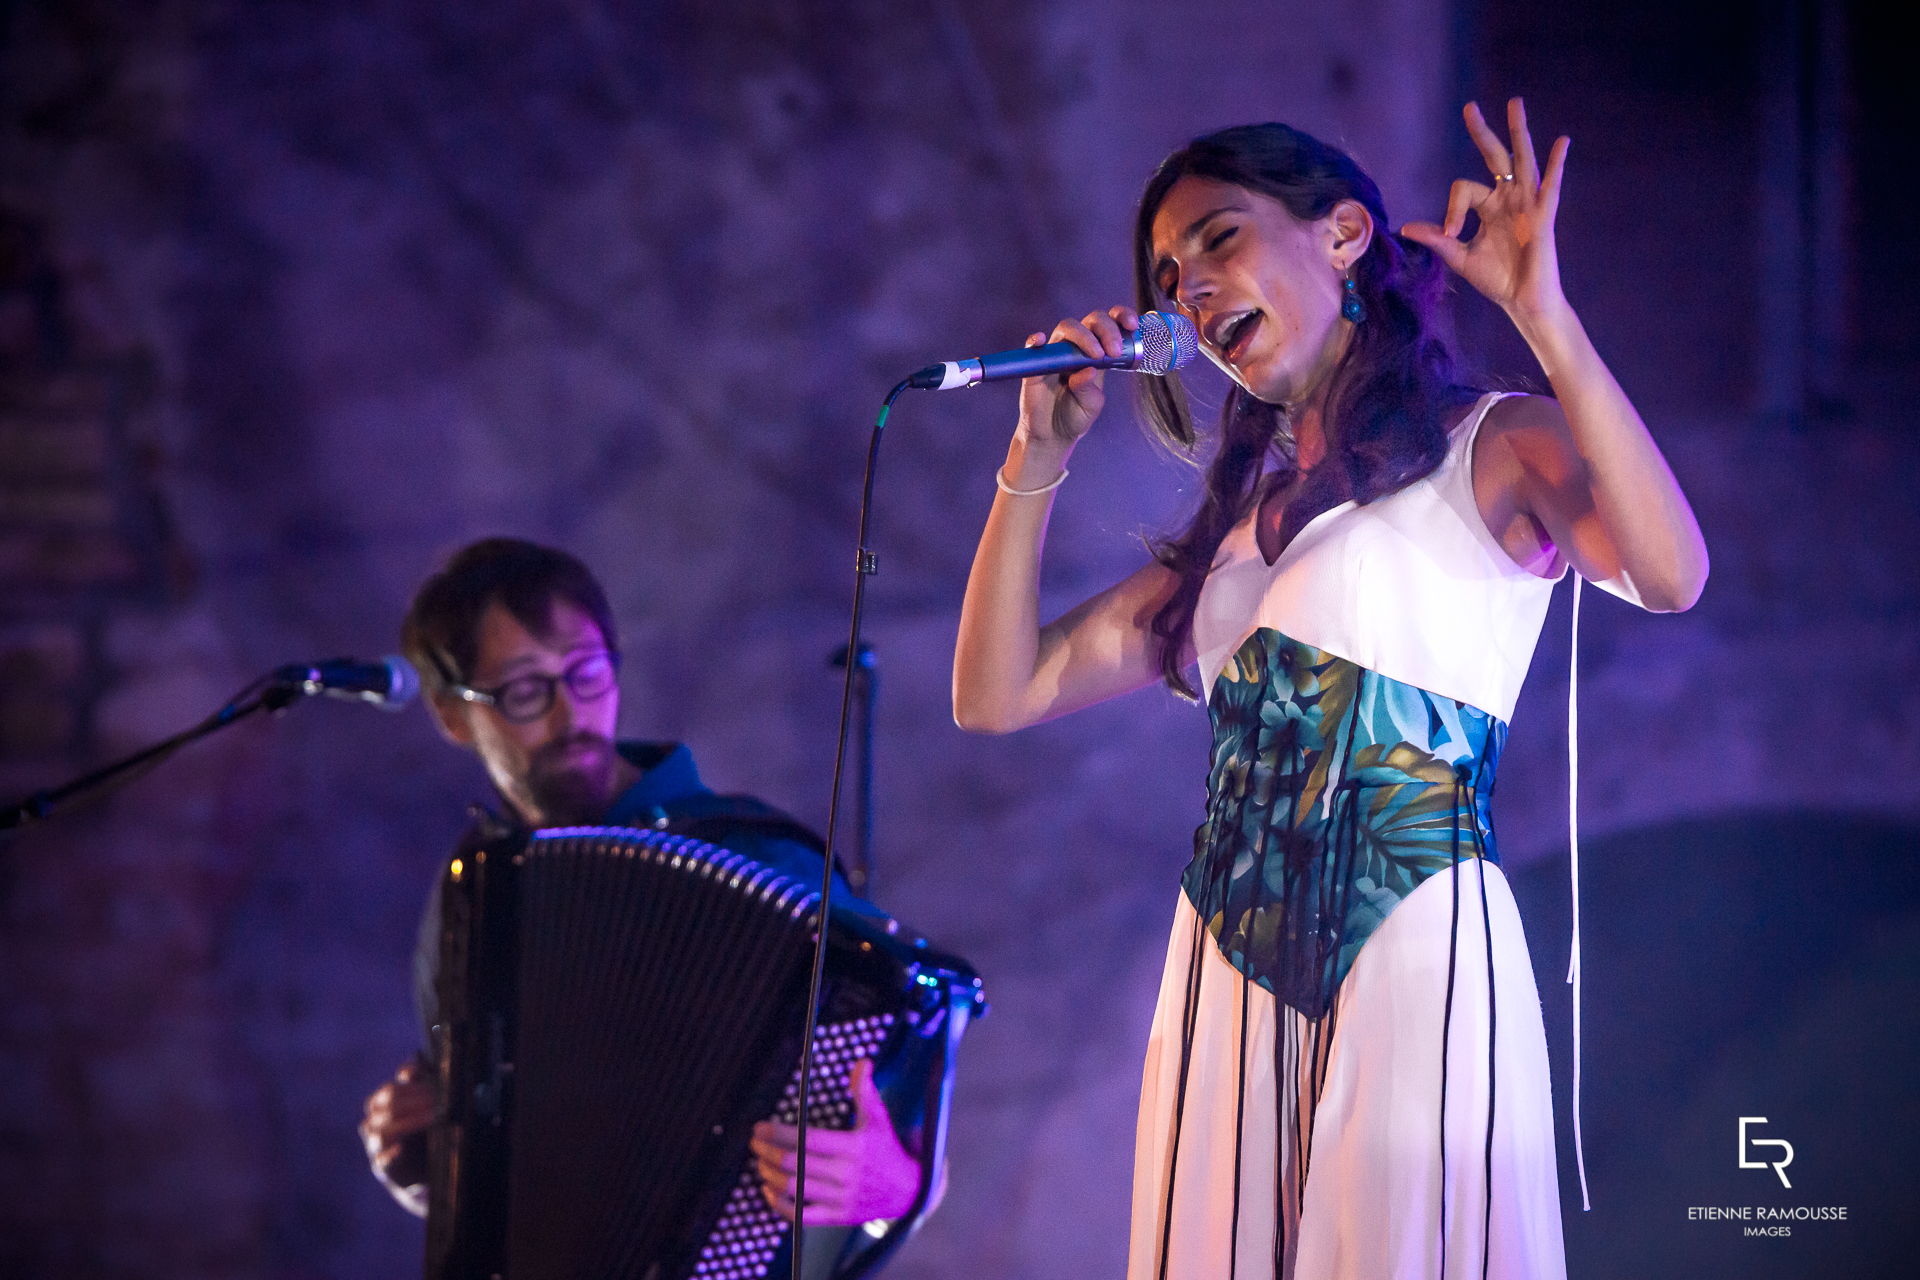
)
(441, 635)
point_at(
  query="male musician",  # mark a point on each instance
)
(518, 654)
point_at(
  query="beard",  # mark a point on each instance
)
(573, 788)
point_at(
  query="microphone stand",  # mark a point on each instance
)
(865, 565)
(270, 695)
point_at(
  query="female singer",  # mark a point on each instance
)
(1347, 1075)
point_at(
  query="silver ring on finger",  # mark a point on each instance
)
(1502, 177)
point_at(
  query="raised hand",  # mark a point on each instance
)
(1511, 259)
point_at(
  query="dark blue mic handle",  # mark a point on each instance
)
(1022, 362)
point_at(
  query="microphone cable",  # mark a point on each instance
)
(865, 565)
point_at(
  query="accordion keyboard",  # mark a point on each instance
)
(748, 1235)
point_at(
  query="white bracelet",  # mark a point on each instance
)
(1000, 478)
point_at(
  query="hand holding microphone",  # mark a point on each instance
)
(1063, 380)
(1155, 342)
(1057, 410)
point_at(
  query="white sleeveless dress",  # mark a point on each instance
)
(1413, 597)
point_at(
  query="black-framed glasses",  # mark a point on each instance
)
(588, 678)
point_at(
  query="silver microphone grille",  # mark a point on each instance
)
(1167, 341)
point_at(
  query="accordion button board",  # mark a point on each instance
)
(620, 1007)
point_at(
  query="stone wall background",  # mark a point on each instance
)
(296, 298)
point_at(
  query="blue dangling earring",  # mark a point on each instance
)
(1351, 307)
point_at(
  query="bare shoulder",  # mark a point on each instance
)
(1524, 414)
(1522, 451)
(1523, 436)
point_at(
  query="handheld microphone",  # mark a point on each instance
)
(389, 684)
(1164, 341)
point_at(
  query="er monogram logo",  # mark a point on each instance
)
(1779, 1166)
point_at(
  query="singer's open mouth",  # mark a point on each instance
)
(1235, 337)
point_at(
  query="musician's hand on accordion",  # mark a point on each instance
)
(853, 1175)
(394, 1132)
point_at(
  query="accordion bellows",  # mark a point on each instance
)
(619, 1008)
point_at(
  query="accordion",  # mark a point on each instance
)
(618, 1008)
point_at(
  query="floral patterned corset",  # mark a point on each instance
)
(1333, 792)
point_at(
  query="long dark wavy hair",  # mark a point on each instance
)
(1392, 391)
